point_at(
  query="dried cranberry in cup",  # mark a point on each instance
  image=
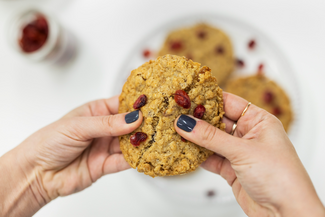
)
(34, 34)
(39, 37)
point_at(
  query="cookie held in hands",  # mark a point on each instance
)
(163, 89)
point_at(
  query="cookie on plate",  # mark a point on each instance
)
(265, 94)
(157, 83)
(204, 44)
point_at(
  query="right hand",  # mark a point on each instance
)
(259, 162)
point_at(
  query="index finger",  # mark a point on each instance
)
(100, 107)
(113, 104)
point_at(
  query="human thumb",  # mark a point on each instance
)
(208, 136)
(85, 128)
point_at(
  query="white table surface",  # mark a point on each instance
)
(34, 95)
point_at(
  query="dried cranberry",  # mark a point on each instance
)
(146, 53)
(30, 32)
(277, 111)
(182, 99)
(34, 35)
(41, 24)
(268, 97)
(141, 101)
(240, 63)
(211, 193)
(220, 50)
(260, 67)
(176, 45)
(184, 140)
(251, 44)
(137, 138)
(199, 111)
(201, 34)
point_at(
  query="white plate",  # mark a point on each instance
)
(191, 189)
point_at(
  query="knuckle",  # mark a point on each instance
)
(209, 133)
(107, 122)
(70, 128)
(276, 121)
(272, 120)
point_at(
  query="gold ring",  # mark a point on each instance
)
(245, 110)
(233, 128)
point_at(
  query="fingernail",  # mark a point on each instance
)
(186, 123)
(132, 117)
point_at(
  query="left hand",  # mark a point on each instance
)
(72, 153)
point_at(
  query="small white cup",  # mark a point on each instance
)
(60, 46)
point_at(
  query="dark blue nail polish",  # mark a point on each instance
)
(132, 117)
(186, 123)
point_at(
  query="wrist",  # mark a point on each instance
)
(315, 210)
(309, 205)
(21, 190)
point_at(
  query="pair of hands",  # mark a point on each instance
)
(259, 162)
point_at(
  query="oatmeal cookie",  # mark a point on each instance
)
(265, 94)
(204, 44)
(155, 85)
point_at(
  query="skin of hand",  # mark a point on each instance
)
(64, 157)
(259, 162)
